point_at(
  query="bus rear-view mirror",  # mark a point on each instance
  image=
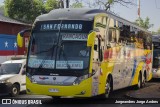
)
(20, 40)
(91, 38)
(20, 37)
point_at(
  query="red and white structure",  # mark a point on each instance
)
(8, 43)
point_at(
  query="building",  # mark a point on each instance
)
(8, 31)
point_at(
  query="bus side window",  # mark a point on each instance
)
(125, 37)
(96, 49)
(98, 54)
(112, 38)
(140, 40)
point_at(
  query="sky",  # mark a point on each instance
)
(1, 2)
(150, 8)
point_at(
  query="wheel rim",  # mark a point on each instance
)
(144, 81)
(107, 88)
(14, 90)
(139, 82)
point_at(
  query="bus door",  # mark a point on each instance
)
(97, 61)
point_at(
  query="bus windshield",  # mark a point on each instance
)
(62, 46)
(73, 55)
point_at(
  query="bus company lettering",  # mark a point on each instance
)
(75, 36)
(61, 26)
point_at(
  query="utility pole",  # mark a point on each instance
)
(139, 12)
(67, 3)
(139, 8)
(61, 4)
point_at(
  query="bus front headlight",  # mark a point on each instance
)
(80, 79)
(31, 78)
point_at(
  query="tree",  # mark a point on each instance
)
(154, 33)
(144, 23)
(24, 10)
(96, 3)
(106, 4)
(1, 9)
(61, 4)
(50, 5)
(77, 5)
(158, 31)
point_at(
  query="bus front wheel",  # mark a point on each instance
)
(108, 88)
(144, 79)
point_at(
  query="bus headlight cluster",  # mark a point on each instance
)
(31, 78)
(80, 79)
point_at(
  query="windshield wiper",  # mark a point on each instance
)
(65, 58)
(43, 61)
(46, 50)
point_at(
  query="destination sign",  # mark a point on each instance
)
(72, 64)
(61, 27)
(35, 63)
(74, 36)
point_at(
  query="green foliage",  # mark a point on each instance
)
(28, 10)
(158, 31)
(144, 23)
(2, 9)
(24, 10)
(154, 33)
(77, 5)
(50, 5)
(110, 1)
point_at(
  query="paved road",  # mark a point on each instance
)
(90, 102)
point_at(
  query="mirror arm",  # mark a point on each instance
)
(24, 31)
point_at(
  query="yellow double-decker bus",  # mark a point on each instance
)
(85, 53)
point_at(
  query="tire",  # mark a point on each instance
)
(144, 80)
(15, 90)
(108, 88)
(139, 85)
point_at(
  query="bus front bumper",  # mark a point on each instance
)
(81, 90)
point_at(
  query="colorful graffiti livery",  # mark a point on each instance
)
(99, 54)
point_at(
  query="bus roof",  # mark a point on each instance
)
(82, 14)
(70, 14)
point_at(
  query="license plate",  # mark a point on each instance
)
(53, 90)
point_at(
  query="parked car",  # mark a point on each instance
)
(12, 76)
